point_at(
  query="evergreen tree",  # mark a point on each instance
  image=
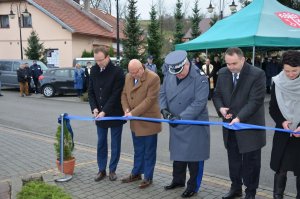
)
(133, 44)
(35, 49)
(154, 39)
(294, 4)
(196, 20)
(178, 23)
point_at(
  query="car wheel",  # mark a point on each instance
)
(48, 91)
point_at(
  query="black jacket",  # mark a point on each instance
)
(105, 90)
(23, 75)
(281, 140)
(36, 71)
(246, 101)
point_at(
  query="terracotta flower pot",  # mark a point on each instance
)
(69, 166)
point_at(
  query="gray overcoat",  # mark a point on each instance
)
(188, 100)
(246, 101)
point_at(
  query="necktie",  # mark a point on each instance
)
(235, 75)
(135, 82)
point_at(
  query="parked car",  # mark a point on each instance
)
(9, 67)
(57, 81)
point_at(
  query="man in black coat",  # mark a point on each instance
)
(239, 97)
(105, 86)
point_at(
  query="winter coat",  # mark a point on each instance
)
(78, 78)
(188, 100)
(282, 141)
(36, 71)
(142, 100)
(105, 93)
(22, 74)
(245, 101)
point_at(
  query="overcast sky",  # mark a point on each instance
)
(144, 6)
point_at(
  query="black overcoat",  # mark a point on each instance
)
(105, 90)
(282, 140)
(246, 102)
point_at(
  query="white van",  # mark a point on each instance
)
(82, 61)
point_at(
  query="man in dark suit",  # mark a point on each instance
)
(239, 97)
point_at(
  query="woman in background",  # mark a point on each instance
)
(78, 79)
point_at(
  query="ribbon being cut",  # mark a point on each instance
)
(236, 126)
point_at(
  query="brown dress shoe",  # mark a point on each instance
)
(132, 178)
(112, 176)
(100, 176)
(145, 184)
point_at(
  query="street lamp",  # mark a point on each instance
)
(12, 15)
(232, 7)
(118, 35)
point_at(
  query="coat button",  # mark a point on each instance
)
(100, 97)
(131, 97)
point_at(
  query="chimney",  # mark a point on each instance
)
(77, 1)
(87, 5)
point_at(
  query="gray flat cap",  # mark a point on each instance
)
(175, 61)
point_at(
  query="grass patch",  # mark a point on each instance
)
(40, 190)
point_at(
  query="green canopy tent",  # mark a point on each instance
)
(263, 23)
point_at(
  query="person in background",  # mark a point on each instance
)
(239, 97)
(87, 73)
(285, 110)
(209, 71)
(150, 65)
(140, 98)
(36, 72)
(217, 66)
(105, 88)
(78, 79)
(184, 95)
(29, 77)
(22, 74)
(272, 69)
(198, 63)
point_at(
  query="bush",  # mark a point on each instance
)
(68, 145)
(41, 190)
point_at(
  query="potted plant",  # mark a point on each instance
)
(69, 160)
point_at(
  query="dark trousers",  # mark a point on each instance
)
(36, 84)
(102, 151)
(144, 155)
(196, 173)
(244, 168)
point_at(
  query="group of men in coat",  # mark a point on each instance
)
(182, 96)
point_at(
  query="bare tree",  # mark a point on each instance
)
(103, 4)
(161, 9)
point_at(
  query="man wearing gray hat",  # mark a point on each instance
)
(184, 95)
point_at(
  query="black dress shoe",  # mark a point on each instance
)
(248, 196)
(233, 193)
(173, 186)
(187, 194)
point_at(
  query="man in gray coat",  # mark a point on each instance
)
(184, 95)
(239, 97)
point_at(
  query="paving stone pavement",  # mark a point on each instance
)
(25, 153)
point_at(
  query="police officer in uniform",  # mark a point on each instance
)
(184, 96)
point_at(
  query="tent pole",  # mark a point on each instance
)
(253, 55)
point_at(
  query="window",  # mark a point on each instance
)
(5, 65)
(26, 21)
(4, 22)
(62, 73)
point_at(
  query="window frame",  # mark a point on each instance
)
(7, 20)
